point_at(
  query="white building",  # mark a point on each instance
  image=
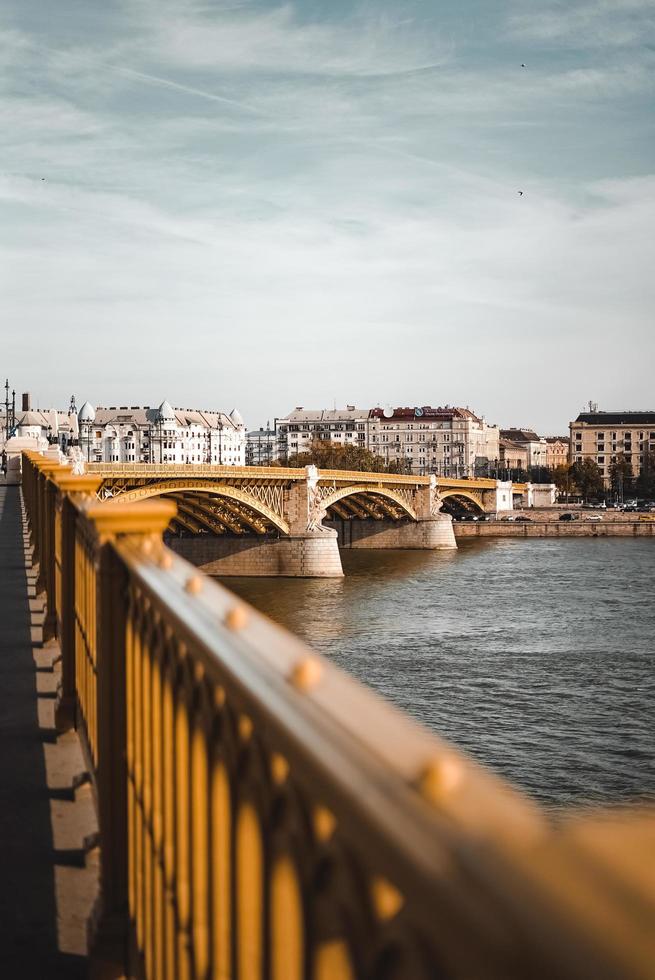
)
(446, 441)
(40, 428)
(131, 434)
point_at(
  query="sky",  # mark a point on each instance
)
(266, 205)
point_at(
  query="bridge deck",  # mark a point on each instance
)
(36, 869)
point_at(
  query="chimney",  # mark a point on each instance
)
(26, 401)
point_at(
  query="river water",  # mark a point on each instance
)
(537, 657)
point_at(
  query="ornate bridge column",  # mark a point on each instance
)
(313, 551)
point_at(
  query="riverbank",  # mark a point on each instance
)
(554, 529)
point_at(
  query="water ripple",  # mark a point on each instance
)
(537, 657)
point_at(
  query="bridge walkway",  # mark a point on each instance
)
(43, 821)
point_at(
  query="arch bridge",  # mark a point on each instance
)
(287, 521)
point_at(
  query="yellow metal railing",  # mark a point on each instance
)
(262, 815)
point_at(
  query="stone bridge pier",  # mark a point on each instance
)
(428, 529)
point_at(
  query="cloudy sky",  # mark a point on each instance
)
(264, 204)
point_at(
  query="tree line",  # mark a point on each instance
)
(331, 456)
(586, 479)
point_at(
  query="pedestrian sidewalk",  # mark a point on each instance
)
(48, 878)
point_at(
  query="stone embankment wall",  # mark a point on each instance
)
(555, 529)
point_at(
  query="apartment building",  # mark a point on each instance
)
(296, 431)
(604, 436)
(132, 434)
(261, 447)
(447, 441)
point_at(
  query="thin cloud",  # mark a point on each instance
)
(178, 86)
(349, 181)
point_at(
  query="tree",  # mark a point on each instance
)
(645, 483)
(620, 475)
(400, 465)
(561, 477)
(540, 474)
(588, 478)
(331, 456)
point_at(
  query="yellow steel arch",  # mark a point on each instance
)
(206, 487)
(366, 488)
(475, 498)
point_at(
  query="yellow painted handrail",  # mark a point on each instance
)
(264, 815)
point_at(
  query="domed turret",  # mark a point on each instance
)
(235, 415)
(87, 413)
(165, 412)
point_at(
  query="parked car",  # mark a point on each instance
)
(523, 520)
(593, 517)
(569, 517)
(510, 518)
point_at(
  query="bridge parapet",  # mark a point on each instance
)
(262, 814)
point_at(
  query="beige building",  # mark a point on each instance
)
(557, 451)
(534, 445)
(604, 436)
(514, 456)
(447, 441)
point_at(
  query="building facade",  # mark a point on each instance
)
(557, 451)
(131, 434)
(261, 447)
(446, 441)
(514, 457)
(605, 436)
(535, 446)
(40, 427)
(299, 428)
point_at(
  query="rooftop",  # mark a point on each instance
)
(617, 418)
(348, 414)
(520, 435)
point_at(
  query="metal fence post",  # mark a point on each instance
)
(147, 521)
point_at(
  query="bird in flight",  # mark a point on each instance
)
(520, 193)
(523, 65)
